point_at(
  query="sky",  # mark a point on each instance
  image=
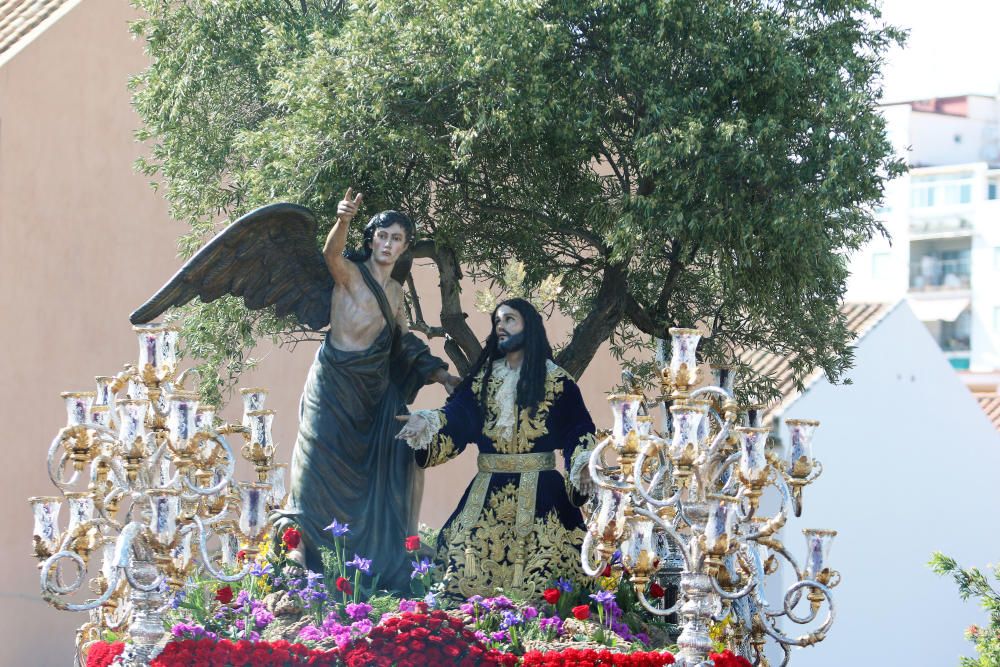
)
(952, 48)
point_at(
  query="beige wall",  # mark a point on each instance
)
(83, 240)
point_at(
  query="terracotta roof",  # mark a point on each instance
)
(990, 403)
(861, 318)
(20, 17)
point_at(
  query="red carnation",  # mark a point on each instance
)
(656, 590)
(291, 538)
(551, 595)
(344, 586)
(728, 659)
(241, 555)
(607, 570)
(581, 612)
(224, 594)
(413, 543)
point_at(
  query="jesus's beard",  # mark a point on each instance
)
(512, 343)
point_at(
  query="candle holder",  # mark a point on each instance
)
(686, 506)
(158, 491)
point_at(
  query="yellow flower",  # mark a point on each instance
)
(717, 633)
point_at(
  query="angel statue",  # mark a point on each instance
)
(345, 466)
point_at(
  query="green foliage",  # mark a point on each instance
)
(675, 162)
(973, 583)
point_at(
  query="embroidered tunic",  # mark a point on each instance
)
(518, 525)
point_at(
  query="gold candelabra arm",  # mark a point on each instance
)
(229, 429)
(120, 380)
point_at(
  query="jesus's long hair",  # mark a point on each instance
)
(531, 384)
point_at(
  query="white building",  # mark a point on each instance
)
(909, 466)
(944, 221)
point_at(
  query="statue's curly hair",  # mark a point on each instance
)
(381, 220)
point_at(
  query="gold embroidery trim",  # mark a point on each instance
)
(527, 428)
(494, 554)
(527, 493)
(474, 503)
(533, 462)
(441, 449)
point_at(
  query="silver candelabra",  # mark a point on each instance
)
(690, 501)
(148, 480)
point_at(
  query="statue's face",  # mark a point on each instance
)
(508, 323)
(388, 244)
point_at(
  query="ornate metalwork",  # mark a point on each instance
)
(691, 500)
(148, 480)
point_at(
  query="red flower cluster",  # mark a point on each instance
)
(656, 590)
(413, 543)
(225, 653)
(591, 658)
(727, 659)
(102, 654)
(344, 585)
(581, 612)
(291, 538)
(416, 640)
(551, 595)
(224, 594)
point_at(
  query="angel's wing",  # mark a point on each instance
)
(268, 257)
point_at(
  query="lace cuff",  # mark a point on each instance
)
(433, 423)
(579, 472)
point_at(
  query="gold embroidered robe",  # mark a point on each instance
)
(518, 525)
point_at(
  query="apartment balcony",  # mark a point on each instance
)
(932, 274)
(939, 227)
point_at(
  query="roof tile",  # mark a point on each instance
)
(20, 17)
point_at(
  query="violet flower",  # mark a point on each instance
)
(357, 611)
(338, 529)
(363, 564)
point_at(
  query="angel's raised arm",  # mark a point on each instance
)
(336, 241)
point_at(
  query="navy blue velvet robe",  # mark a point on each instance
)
(517, 531)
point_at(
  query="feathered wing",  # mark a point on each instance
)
(269, 257)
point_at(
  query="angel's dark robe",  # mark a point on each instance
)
(518, 525)
(347, 464)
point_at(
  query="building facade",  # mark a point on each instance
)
(943, 218)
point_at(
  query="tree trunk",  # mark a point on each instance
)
(465, 348)
(597, 327)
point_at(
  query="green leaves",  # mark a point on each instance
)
(704, 161)
(973, 583)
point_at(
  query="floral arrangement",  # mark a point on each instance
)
(224, 653)
(283, 614)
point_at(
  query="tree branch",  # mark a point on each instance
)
(663, 300)
(641, 319)
(453, 318)
(604, 316)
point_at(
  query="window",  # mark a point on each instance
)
(992, 190)
(880, 265)
(941, 189)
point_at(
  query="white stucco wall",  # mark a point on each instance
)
(911, 468)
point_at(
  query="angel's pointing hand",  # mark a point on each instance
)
(348, 207)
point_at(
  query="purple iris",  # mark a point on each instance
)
(421, 568)
(603, 597)
(338, 529)
(363, 564)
